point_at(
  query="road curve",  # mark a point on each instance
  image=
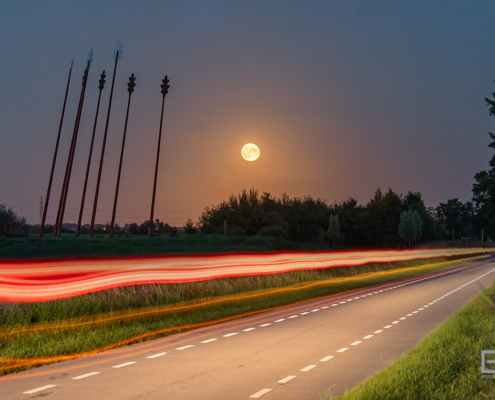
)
(296, 352)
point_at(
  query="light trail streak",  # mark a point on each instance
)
(194, 305)
(28, 282)
(16, 363)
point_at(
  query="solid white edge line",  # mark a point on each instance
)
(259, 394)
(157, 355)
(326, 358)
(39, 389)
(286, 379)
(124, 365)
(308, 368)
(86, 375)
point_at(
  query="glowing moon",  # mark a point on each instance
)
(250, 152)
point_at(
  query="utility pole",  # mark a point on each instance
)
(41, 209)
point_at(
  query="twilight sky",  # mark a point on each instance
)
(340, 96)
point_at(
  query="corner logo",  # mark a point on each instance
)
(490, 361)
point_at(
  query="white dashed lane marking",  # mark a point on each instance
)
(157, 355)
(326, 358)
(39, 389)
(259, 394)
(124, 365)
(388, 326)
(293, 316)
(280, 320)
(356, 343)
(342, 349)
(308, 368)
(87, 375)
(395, 322)
(265, 324)
(208, 341)
(248, 329)
(304, 313)
(286, 379)
(184, 347)
(378, 331)
(368, 337)
(232, 334)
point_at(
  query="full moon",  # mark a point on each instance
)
(250, 152)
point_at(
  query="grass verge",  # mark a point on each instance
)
(446, 364)
(89, 331)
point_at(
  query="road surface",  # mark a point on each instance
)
(296, 352)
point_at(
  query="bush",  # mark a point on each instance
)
(276, 231)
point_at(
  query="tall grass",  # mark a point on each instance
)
(152, 295)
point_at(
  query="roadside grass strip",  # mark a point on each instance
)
(24, 346)
(446, 364)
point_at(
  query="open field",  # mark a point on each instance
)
(116, 317)
(445, 365)
(127, 245)
(121, 245)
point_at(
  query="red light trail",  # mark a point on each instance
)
(35, 281)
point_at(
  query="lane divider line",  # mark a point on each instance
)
(326, 358)
(208, 341)
(230, 334)
(39, 389)
(286, 379)
(86, 375)
(184, 347)
(342, 350)
(356, 343)
(308, 368)
(124, 365)
(259, 394)
(157, 355)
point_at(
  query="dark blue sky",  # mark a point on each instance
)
(340, 96)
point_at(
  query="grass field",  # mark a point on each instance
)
(446, 364)
(120, 245)
(91, 322)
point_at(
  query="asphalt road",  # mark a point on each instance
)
(295, 352)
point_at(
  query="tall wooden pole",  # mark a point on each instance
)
(61, 206)
(165, 86)
(102, 84)
(76, 132)
(47, 198)
(117, 54)
(130, 89)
